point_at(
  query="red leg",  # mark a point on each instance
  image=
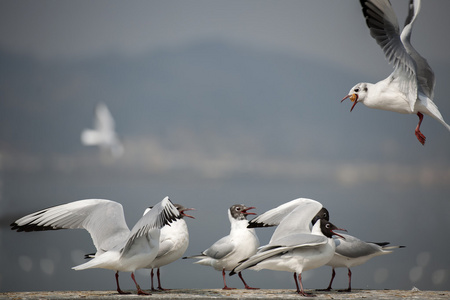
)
(296, 283)
(333, 273)
(302, 292)
(159, 282)
(245, 284)
(139, 291)
(224, 282)
(349, 289)
(118, 287)
(152, 275)
(419, 134)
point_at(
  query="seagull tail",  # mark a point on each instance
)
(101, 261)
(389, 248)
(433, 111)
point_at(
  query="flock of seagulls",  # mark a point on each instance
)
(118, 248)
(303, 239)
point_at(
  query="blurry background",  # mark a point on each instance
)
(217, 103)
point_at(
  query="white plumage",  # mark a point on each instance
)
(410, 87)
(118, 247)
(103, 135)
(240, 244)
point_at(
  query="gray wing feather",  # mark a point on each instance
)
(164, 247)
(220, 249)
(297, 220)
(383, 25)
(300, 240)
(353, 247)
(160, 215)
(103, 219)
(279, 247)
(425, 75)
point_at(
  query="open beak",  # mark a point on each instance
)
(244, 211)
(353, 98)
(337, 234)
(186, 215)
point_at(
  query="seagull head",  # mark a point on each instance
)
(328, 229)
(240, 211)
(322, 214)
(357, 94)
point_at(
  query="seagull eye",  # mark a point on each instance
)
(356, 90)
(327, 226)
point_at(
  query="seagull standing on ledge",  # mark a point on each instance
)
(352, 252)
(241, 243)
(118, 247)
(294, 247)
(410, 87)
(173, 242)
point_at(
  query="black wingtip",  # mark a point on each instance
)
(382, 244)
(258, 225)
(31, 227)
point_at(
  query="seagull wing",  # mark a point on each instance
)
(425, 75)
(103, 219)
(103, 118)
(274, 216)
(297, 220)
(160, 215)
(279, 247)
(382, 22)
(353, 247)
(221, 248)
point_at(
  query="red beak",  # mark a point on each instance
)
(244, 211)
(186, 215)
(337, 234)
(348, 96)
(353, 98)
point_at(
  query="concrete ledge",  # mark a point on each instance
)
(232, 294)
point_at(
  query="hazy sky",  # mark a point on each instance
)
(263, 150)
(331, 30)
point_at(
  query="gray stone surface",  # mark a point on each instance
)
(232, 294)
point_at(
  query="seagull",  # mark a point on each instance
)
(274, 217)
(118, 247)
(173, 242)
(240, 244)
(294, 247)
(103, 134)
(352, 252)
(410, 87)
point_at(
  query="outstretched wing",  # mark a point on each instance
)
(425, 75)
(103, 118)
(160, 215)
(298, 220)
(274, 216)
(382, 22)
(103, 219)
